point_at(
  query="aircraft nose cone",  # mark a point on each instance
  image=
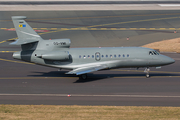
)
(168, 60)
(171, 60)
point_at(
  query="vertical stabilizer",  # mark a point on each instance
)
(24, 32)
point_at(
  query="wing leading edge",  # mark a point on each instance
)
(83, 70)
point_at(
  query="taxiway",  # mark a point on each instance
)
(26, 83)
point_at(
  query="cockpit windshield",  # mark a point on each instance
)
(153, 53)
(157, 52)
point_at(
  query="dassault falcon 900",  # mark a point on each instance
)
(80, 61)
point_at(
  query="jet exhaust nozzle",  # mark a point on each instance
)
(17, 55)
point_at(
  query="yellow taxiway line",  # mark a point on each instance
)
(88, 28)
(3, 41)
(16, 61)
(135, 21)
(7, 51)
(93, 26)
(99, 17)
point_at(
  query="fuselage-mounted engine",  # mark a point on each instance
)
(55, 55)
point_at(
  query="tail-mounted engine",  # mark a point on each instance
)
(55, 55)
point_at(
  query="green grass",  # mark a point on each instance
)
(50, 112)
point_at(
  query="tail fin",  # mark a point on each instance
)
(24, 32)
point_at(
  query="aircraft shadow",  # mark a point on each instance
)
(94, 77)
(51, 74)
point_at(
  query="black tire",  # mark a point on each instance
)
(83, 77)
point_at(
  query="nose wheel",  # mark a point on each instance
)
(147, 75)
(147, 72)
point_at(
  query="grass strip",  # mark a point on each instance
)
(172, 45)
(56, 112)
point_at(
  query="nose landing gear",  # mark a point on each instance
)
(147, 72)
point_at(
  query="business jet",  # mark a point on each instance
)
(80, 61)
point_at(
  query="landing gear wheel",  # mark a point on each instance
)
(147, 72)
(147, 75)
(83, 77)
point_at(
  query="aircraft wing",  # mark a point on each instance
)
(88, 69)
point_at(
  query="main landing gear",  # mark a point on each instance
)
(147, 72)
(83, 77)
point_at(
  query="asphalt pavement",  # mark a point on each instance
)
(24, 83)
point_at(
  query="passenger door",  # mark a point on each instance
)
(97, 56)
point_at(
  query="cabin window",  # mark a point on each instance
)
(119, 55)
(92, 56)
(115, 56)
(110, 56)
(84, 56)
(80, 56)
(106, 55)
(88, 56)
(102, 56)
(127, 55)
(123, 55)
